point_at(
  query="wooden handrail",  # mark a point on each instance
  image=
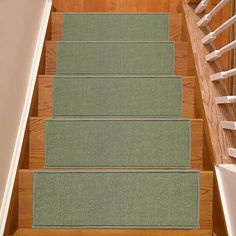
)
(207, 18)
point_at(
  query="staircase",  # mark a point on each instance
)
(116, 148)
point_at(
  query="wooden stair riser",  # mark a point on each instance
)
(175, 26)
(37, 143)
(45, 96)
(117, 5)
(25, 199)
(181, 58)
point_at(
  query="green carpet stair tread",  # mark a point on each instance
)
(115, 27)
(126, 199)
(115, 58)
(117, 96)
(117, 143)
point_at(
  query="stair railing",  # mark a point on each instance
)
(209, 38)
(218, 53)
(212, 35)
(207, 18)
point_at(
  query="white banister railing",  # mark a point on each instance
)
(207, 18)
(220, 116)
(201, 6)
(225, 99)
(209, 38)
(223, 74)
(218, 53)
(212, 35)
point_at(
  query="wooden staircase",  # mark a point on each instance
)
(184, 68)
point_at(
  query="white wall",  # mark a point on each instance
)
(19, 27)
(226, 177)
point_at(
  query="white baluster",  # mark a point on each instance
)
(231, 125)
(218, 53)
(223, 74)
(232, 152)
(201, 6)
(207, 18)
(225, 99)
(212, 35)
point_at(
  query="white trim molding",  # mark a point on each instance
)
(24, 117)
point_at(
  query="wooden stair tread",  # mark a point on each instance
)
(45, 96)
(181, 58)
(25, 199)
(109, 232)
(37, 139)
(175, 26)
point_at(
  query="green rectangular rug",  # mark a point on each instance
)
(117, 143)
(115, 58)
(117, 96)
(115, 27)
(122, 199)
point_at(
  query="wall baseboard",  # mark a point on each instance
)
(24, 117)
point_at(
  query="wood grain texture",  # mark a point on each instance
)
(37, 143)
(116, 5)
(45, 96)
(110, 232)
(213, 114)
(25, 200)
(208, 156)
(175, 26)
(193, 1)
(181, 58)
